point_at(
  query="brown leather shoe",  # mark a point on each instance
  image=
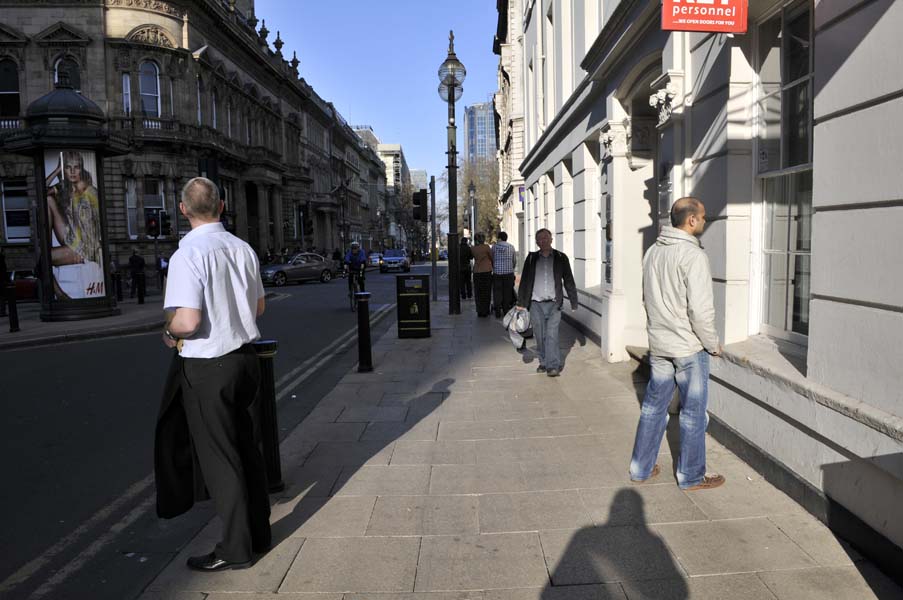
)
(709, 481)
(655, 471)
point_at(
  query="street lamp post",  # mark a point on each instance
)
(451, 78)
(471, 190)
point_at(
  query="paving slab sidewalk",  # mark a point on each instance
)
(455, 472)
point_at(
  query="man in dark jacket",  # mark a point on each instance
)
(545, 273)
(465, 256)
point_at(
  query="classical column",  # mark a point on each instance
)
(278, 216)
(263, 218)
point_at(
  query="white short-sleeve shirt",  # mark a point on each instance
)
(217, 273)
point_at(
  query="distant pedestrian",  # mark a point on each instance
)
(503, 263)
(680, 321)
(482, 274)
(136, 271)
(212, 307)
(464, 258)
(545, 273)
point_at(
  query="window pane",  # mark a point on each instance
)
(800, 282)
(798, 45)
(777, 214)
(797, 115)
(9, 76)
(69, 67)
(769, 104)
(801, 212)
(770, 133)
(148, 79)
(149, 105)
(776, 290)
(9, 105)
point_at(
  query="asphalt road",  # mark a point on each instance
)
(76, 445)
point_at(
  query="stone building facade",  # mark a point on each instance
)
(789, 135)
(198, 88)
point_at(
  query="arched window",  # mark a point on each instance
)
(229, 118)
(200, 89)
(9, 88)
(149, 88)
(69, 67)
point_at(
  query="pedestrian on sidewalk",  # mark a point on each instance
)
(136, 271)
(680, 321)
(545, 273)
(464, 269)
(482, 274)
(212, 306)
(503, 263)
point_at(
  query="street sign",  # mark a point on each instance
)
(719, 16)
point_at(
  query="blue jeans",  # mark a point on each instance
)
(691, 376)
(545, 317)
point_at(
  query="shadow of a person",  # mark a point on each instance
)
(622, 551)
(311, 489)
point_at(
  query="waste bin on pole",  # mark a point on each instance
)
(413, 300)
(269, 424)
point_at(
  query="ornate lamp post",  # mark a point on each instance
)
(471, 191)
(451, 78)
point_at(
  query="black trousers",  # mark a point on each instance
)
(482, 283)
(502, 293)
(219, 396)
(466, 285)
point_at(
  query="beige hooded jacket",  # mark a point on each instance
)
(677, 293)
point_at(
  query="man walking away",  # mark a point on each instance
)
(503, 263)
(545, 273)
(213, 299)
(136, 270)
(680, 320)
(464, 269)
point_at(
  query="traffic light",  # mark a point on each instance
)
(152, 222)
(165, 225)
(421, 213)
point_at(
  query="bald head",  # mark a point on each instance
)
(200, 199)
(684, 208)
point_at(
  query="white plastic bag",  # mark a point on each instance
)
(517, 322)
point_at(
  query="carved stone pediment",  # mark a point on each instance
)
(152, 35)
(62, 35)
(11, 37)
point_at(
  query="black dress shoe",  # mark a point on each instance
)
(210, 563)
(540, 369)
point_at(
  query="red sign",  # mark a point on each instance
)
(720, 16)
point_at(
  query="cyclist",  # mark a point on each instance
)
(355, 264)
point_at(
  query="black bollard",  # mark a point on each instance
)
(141, 280)
(11, 307)
(364, 356)
(117, 285)
(269, 424)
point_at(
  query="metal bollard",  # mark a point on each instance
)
(140, 281)
(269, 425)
(117, 285)
(11, 307)
(364, 356)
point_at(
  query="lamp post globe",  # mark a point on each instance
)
(451, 78)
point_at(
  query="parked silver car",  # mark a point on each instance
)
(301, 267)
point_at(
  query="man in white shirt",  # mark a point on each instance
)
(213, 298)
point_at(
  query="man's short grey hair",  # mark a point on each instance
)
(201, 198)
(544, 230)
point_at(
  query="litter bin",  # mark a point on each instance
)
(413, 299)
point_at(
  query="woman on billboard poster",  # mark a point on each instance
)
(74, 217)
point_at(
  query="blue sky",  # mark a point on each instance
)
(377, 62)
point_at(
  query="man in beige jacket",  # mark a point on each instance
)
(680, 320)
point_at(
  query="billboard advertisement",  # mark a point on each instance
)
(73, 211)
(718, 16)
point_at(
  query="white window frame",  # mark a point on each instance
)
(199, 87)
(142, 93)
(17, 92)
(131, 207)
(213, 101)
(127, 94)
(18, 185)
(759, 252)
(157, 200)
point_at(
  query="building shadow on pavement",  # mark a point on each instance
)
(598, 561)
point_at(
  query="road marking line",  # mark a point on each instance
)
(377, 316)
(28, 570)
(32, 567)
(94, 549)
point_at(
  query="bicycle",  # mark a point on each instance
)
(355, 285)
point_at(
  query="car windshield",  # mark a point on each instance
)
(395, 253)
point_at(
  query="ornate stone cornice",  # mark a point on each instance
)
(149, 5)
(668, 100)
(152, 35)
